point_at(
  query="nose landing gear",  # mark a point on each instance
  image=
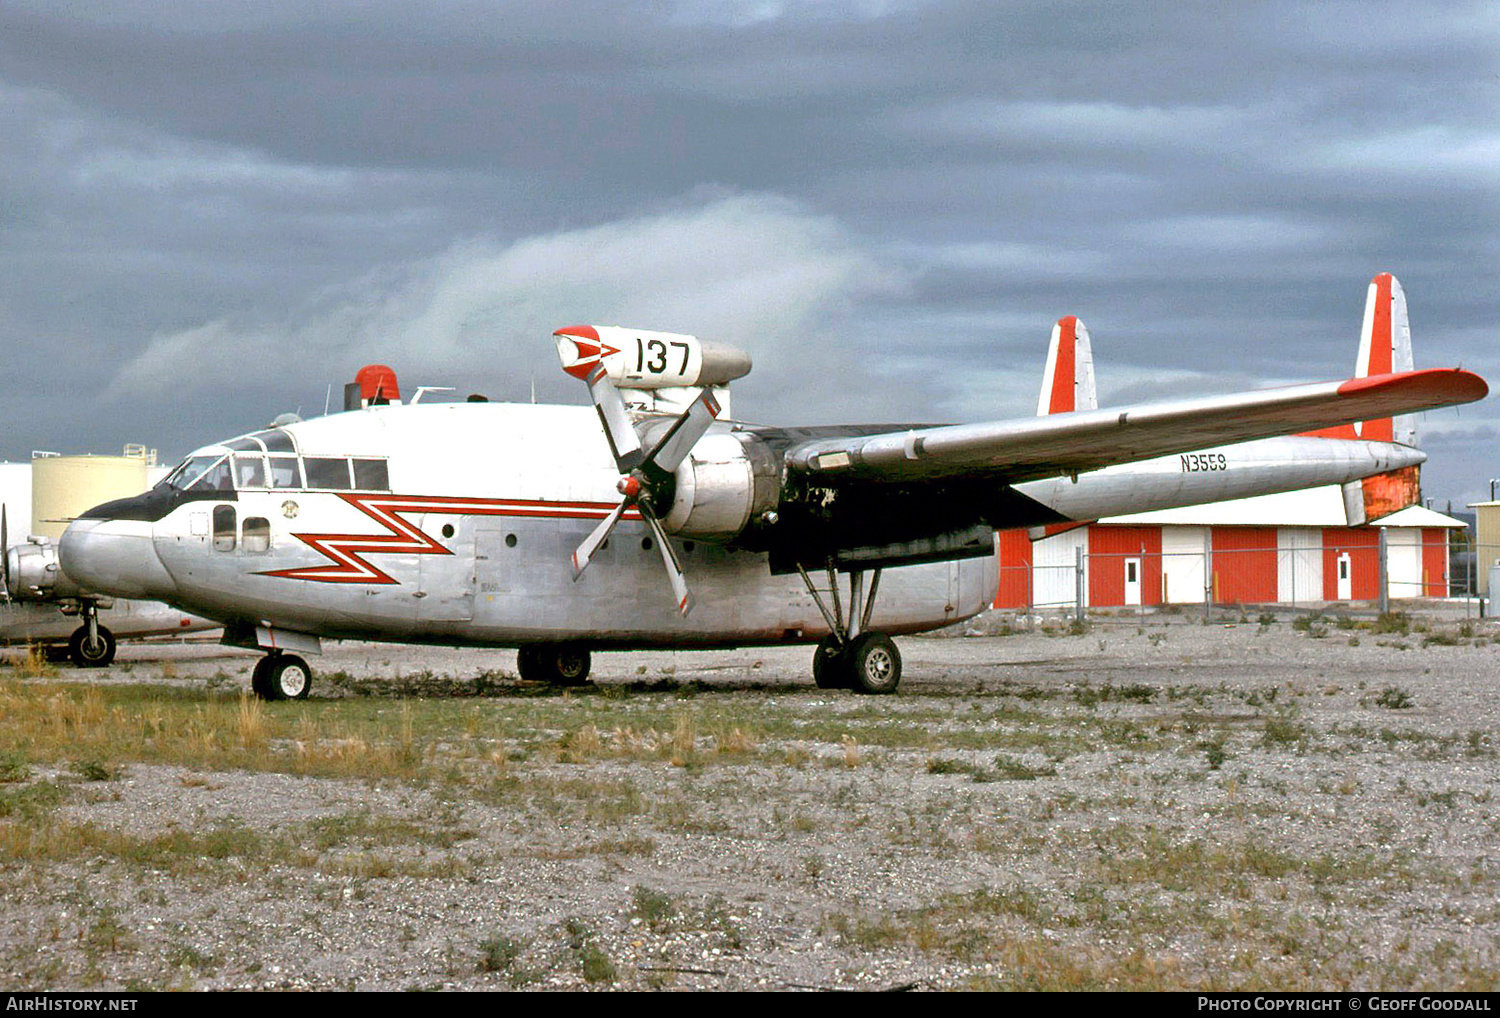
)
(91, 645)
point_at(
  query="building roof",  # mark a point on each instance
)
(1312, 507)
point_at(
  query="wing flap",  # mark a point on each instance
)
(1091, 439)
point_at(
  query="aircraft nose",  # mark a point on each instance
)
(114, 557)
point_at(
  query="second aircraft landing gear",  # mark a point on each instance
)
(91, 645)
(849, 657)
(280, 676)
(558, 664)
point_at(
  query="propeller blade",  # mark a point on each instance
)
(684, 433)
(669, 559)
(585, 552)
(623, 440)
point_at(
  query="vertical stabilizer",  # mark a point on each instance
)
(1068, 379)
(1385, 347)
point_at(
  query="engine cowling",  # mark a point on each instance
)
(34, 574)
(728, 483)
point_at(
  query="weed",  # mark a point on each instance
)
(14, 766)
(655, 908)
(498, 954)
(1282, 729)
(1394, 698)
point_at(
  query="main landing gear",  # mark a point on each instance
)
(557, 664)
(281, 676)
(849, 657)
(91, 645)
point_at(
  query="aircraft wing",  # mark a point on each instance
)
(1073, 443)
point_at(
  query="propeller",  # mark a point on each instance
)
(646, 475)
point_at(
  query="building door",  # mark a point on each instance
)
(1132, 581)
(1346, 577)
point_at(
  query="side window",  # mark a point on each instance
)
(284, 472)
(327, 473)
(257, 535)
(224, 528)
(249, 470)
(371, 475)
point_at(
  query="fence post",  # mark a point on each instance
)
(1383, 597)
(1078, 583)
(1208, 574)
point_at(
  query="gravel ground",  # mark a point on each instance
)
(1148, 803)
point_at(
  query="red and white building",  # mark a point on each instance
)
(1292, 548)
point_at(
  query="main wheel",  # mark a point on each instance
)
(558, 664)
(282, 677)
(874, 664)
(96, 653)
(831, 664)
(260, 678)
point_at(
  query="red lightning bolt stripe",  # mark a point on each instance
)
(346, 551)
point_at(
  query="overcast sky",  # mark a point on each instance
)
(211, 212)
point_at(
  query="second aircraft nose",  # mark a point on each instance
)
(114, 557)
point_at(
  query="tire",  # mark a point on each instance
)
(97, 656)
(285, 677)
(260, 678)
(557, 664)
(874, 664)
(830, 666)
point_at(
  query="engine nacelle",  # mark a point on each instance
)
(637, 359)
(727, 484)
(33, 572)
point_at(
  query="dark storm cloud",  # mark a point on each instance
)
(1209, 186)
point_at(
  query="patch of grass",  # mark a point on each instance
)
(1394, 698)
(655, 908)
(14, 766)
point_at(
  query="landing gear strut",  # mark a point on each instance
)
(557, 664)
(849, 657)
(280, 676)
(91, 645)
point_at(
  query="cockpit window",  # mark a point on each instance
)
(371, 475)
(327, 473)
(215, 478)
(284, 472)
(249, 471)
(192, 470)
(276, 440)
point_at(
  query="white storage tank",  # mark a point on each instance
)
(62, 487)
(15, 495)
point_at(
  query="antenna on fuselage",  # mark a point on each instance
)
(328, 399)
(533, 388)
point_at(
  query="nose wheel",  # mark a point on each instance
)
(91, 649)
(281, 677)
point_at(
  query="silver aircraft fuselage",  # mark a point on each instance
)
(455, 523)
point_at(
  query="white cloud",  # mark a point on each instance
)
(754, 271)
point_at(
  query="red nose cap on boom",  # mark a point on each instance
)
(588, 349)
